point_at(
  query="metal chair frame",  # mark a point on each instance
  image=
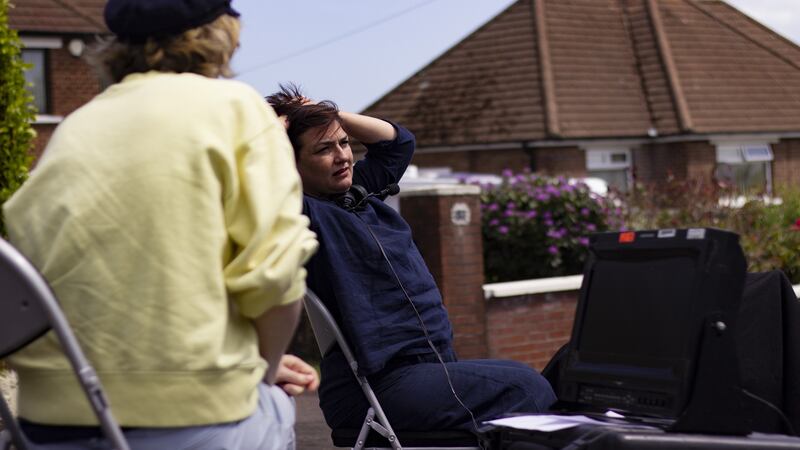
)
(327, 335)
(28, 309)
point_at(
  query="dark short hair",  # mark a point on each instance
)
(289, 102)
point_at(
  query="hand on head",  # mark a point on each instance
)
(301, 101)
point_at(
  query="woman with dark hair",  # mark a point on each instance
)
(166, 215)
(388, 306)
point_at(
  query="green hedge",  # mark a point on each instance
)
(769, 227)
(17, 113)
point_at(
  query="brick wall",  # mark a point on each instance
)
(701, 159)
(458, 161)
(568, 161)
(454, 255)
(786, 165)
(530, 328)
(72, 83)
(495, 161)
(43, 133)
(653, 163)
(483, 161)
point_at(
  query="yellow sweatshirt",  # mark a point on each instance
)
(165, 214)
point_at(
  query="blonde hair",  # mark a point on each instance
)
(206, 50)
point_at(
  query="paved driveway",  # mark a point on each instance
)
(312, 432)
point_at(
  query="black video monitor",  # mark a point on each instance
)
(639, 324)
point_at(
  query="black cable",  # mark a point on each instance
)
(422, 324)
(784, 419)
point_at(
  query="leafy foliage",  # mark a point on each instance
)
(536, 226)
(16, 113)
(769, 230)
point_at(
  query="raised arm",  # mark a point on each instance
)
(368, 130)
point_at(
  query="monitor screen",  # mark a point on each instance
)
(638, 323)
(661, 290)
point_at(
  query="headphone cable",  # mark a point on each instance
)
(421, 322)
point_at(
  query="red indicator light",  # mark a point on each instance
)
(627, 237)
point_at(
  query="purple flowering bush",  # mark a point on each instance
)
(536, 226)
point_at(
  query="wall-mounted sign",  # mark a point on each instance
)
(460, 214)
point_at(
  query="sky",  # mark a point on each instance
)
(355, 51)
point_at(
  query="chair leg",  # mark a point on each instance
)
(5, 440)
(12, 434)
(371, 424)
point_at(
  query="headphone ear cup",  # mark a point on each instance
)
(344, 201)
(358, 192)
(352, 198)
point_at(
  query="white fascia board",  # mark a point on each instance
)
(41, 42)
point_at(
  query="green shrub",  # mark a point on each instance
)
(675, 203)
(769, 231)
(17, 113)
(770, 234)
(535, 226)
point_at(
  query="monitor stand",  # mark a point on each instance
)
(716, 404)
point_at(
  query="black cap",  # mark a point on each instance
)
(137, 20)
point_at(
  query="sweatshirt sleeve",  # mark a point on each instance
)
(385, 161)
(270, 236)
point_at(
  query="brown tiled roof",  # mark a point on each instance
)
(736, 76)
(57, 16)
(487, 85)
(549, 69)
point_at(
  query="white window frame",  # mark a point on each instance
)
(43, 43)
(603, 158)
(747, 152)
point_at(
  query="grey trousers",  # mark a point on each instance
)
(270, 427)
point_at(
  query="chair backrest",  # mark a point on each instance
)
(28, 309)
(327, 335)
(326, 331)
(23, 317)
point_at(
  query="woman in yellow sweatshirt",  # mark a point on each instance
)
(166, 215)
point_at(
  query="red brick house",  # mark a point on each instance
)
(55, 34)
(619, 89)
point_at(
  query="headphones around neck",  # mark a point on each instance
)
(353, 199)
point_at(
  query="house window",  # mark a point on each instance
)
(35, 76)
(745, 167)
(611, 165)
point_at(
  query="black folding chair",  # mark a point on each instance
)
(328, 335)
(28, 309)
